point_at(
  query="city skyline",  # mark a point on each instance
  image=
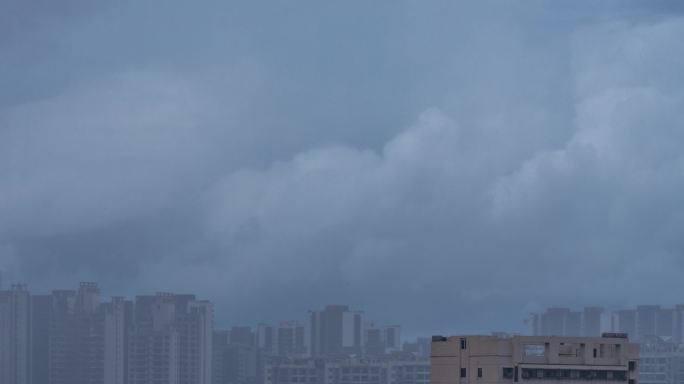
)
(76, 334)
(304, 316)
(563, 321)
(342, 192)
(451, 165)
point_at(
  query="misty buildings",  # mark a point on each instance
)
(410, 372)
(392, 337)
(286, 371)
(322, 349)
(15, 336)
(419, 348)
(336, 330)
(171, 340)
(381, 340)
(85, 337)
(535, 359)
(662, 362)
(658, 330)
(640, 323)
(66, 337)
(375, 342)
(386, 370)
(235, 357)
(41, 315)
(266, 338)
(291, 339)
(592, 321)
(73, 337)
(354, 371)
(295, 350)
(76, 336)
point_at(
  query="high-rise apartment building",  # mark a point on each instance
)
(626, 321)
(647, 320)
(266, 338)
(241, 335)
(375, 342)
(117, 317)
(41, 315)
(171, 340)
(381, 340)
(392, 337)
(291, 339)
(534, 359)
(640, 323)
(15, 336)
(557, 322)
(86, 338)
(652, 320)
(336, 330)
(72, 336)
(595, 321)
(234, 362)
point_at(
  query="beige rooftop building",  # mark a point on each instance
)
(610, 359)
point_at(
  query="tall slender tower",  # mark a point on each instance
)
(15, 335)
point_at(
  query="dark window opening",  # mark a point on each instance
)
(479, 372)
(632, 365)
(508, 373)
(463, 372)
(594, 353)
(463, 343)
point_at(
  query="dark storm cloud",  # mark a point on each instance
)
(446, 166)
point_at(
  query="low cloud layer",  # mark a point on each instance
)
(454, 189)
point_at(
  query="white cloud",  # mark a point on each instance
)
(117, 150)
(430, 203)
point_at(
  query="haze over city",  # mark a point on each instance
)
(447, 166)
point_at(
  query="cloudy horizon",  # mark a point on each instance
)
(448, 166)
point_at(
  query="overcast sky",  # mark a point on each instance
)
(444, 165)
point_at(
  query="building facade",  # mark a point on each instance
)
(348, 371)
(534, 359)
(662, 362)
(171, 340)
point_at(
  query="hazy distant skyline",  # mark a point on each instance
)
(448, 166)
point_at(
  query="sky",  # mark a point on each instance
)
(448, 166)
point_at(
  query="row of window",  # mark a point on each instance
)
(573, 374)
(559, 374)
